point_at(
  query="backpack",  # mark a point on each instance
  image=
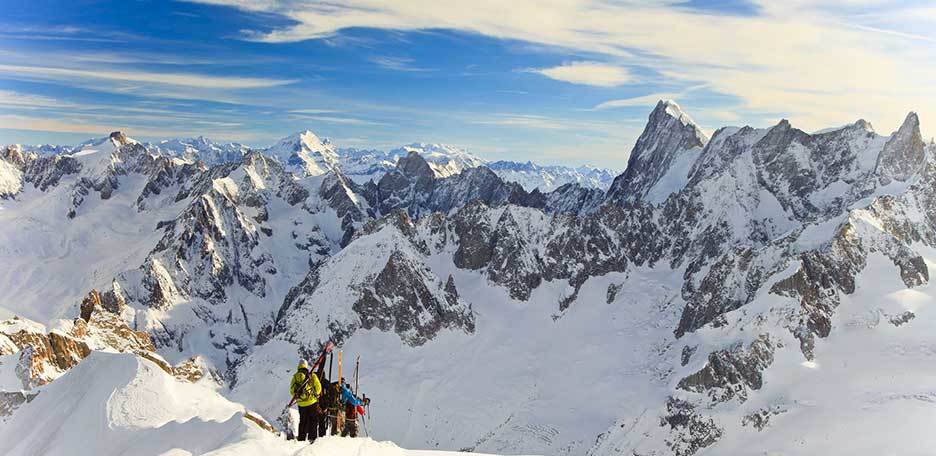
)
(301, 389)
(330, 397)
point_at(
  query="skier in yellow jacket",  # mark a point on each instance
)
(306, 389)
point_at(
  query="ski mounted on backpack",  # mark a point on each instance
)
(320, 361)
(283, 419)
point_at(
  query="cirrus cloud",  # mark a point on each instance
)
(809, 60)
(587, 73)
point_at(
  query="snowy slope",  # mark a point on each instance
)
(51, 261)
(11, 179)
(114, 404)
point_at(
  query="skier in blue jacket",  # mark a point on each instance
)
(353, 407)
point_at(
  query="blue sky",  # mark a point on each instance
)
(550, 81)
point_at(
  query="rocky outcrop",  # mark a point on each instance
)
(12, 400)
(732, 372)
(402, 301)
(104, 329)
(45, 355)
(414, 187)
(689, 431)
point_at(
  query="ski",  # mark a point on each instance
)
(283, 419)
(339, 420)
(319, 361)
(357, 370)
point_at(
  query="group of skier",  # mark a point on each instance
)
(325, 404)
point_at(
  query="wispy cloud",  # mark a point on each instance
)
(12, 99)
(806, 59)
(313, 111)
(587, 73)
(173, 79)
(18, 32)
(540, 122)
(647, 100)
(336, 120)
(525, 121)
(18, 122)
(398, 64)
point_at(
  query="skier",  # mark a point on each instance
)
(306, 389)
(331, 405)
(352, 408)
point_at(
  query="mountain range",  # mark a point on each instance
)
(762, 288)
(361, 165)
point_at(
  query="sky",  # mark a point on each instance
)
(553, 81)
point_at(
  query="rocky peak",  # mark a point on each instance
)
(306, 152)
(903, 154)
(414, 166)
(14, 155)
(120, 139)
(863, 125)
(668, 134)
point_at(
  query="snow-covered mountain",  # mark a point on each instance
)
(200, 148)
(305, 154)
(445, 160)
(660, 161)
(726, 295)
(548, 178)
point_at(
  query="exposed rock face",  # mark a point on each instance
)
(103, 329)
(43, 356)
(193, 370)
(46, 355)
(45, 172)
(731, 373)
(414, 187)
(570, 199)
(689, 430)
(119, 139)
(669, 133)
(12, 400)
(401, 301)
(902, 318)
(343, 196)
(760, 419)
(391, 289)
(903, 155)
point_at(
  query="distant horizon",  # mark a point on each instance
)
(562, 83)
(390, 148)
